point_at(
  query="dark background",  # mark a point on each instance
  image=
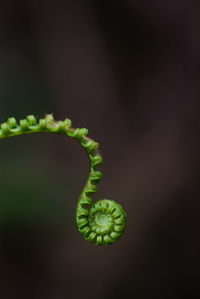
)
(128, 71)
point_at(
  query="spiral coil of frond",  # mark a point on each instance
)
(101, 223)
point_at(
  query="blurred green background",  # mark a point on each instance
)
(129, 72)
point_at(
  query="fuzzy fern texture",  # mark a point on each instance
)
(102, 222)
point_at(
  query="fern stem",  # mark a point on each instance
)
(102, 222)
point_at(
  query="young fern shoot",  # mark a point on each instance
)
(102, 222)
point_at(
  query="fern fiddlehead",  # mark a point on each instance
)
(102, 222)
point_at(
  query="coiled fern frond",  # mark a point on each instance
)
(101, 223)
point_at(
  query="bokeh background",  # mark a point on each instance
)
(128, 71)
